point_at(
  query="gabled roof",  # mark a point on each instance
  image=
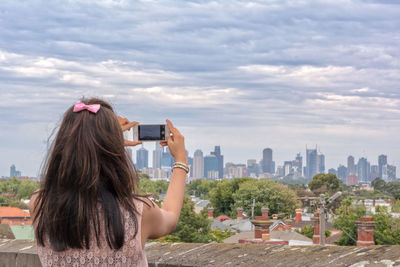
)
(222, 218)
(9, 212)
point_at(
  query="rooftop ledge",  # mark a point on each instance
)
(23, 253)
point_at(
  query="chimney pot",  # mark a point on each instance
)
(299, 213)
(210, 213)
(264, 212)
(365, 231)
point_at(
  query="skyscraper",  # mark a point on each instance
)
(211, 167)
(267, 163)
(382, 160)
(321, 163)
(142, 158)
(13, 171)
(198, 164)
(157, 155)
(342, 173)
(167, 161)
(298, 164)
(312, 163)
(351, 168)
(363, 170)
(220, 159)
(253, 169)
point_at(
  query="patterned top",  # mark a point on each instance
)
(131, 253)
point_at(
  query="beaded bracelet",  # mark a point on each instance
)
(181, 165)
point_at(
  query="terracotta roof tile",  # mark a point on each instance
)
(13, 212)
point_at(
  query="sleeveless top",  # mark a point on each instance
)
(131, 253)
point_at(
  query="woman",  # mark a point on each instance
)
(88, 211)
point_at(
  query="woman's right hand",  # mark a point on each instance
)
(176, 144)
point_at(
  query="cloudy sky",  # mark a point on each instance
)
(241, 74)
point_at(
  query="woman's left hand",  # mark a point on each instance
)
(126, 125)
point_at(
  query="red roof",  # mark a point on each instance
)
(222, 218)
(13, 212)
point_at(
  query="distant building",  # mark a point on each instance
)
(220, 160)
(157, 155)
(298, 165)
(253, 168)
(351, 168)
(332, 171)
(352, 179)
(235, 170)
(14, 172)
(321, 163)
(288, 168)
(312, 163)
(374, 172)
(167, 161)
(363, 170)
(142, 158)
(342, 173)
(190, 163)
(211, 167)
(391, 172)
(382, 161)
(14, 216)
(267, 162)
(198, 164)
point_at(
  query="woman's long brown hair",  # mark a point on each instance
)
(87, 168)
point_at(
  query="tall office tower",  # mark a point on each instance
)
(220, 158)
(13, 171)
(362, 170)
(391, 172)
(167, 161)
(211, 167)
(142, 158)
(198, 164)
(157, 155)
(267, 163)
(374, 172)
(312, 163)
(382, 160)
(342, 173)
(190, 163)
(298, 164)
(321, 163)
(287, 168)
(351, 168)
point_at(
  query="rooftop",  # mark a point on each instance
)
(9, 212)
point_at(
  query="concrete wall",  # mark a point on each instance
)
(23, 253)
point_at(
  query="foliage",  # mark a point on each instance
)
(308, 231)
(396, 205)
(347, 215)
(191, 227)
(324, 183)
(378, 184)
(155, 188)
(201, 188)
(13, 190)
(277, 197)
(221, 196)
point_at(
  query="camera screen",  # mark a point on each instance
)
(151, 132)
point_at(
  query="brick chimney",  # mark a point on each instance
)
(299, 213)
(275, 217)
(365, 231)
(264, 212)
(210, 213)
(239, 213)
(373, 202)
(316, 236)
(288, 223)
(363, 202)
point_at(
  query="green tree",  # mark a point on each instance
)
(347, 215)
(277, 197)
(378, 184)
(191, 227)
(201, 188)
(308, 231)
(324, 183)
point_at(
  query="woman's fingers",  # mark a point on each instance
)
(129, 125)
(131, 143)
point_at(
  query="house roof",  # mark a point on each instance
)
(222, 218)
(9, 212)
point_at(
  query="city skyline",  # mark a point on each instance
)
(245, 75)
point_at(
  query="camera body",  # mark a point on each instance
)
(150, 132)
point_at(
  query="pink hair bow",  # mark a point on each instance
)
(79, 106)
